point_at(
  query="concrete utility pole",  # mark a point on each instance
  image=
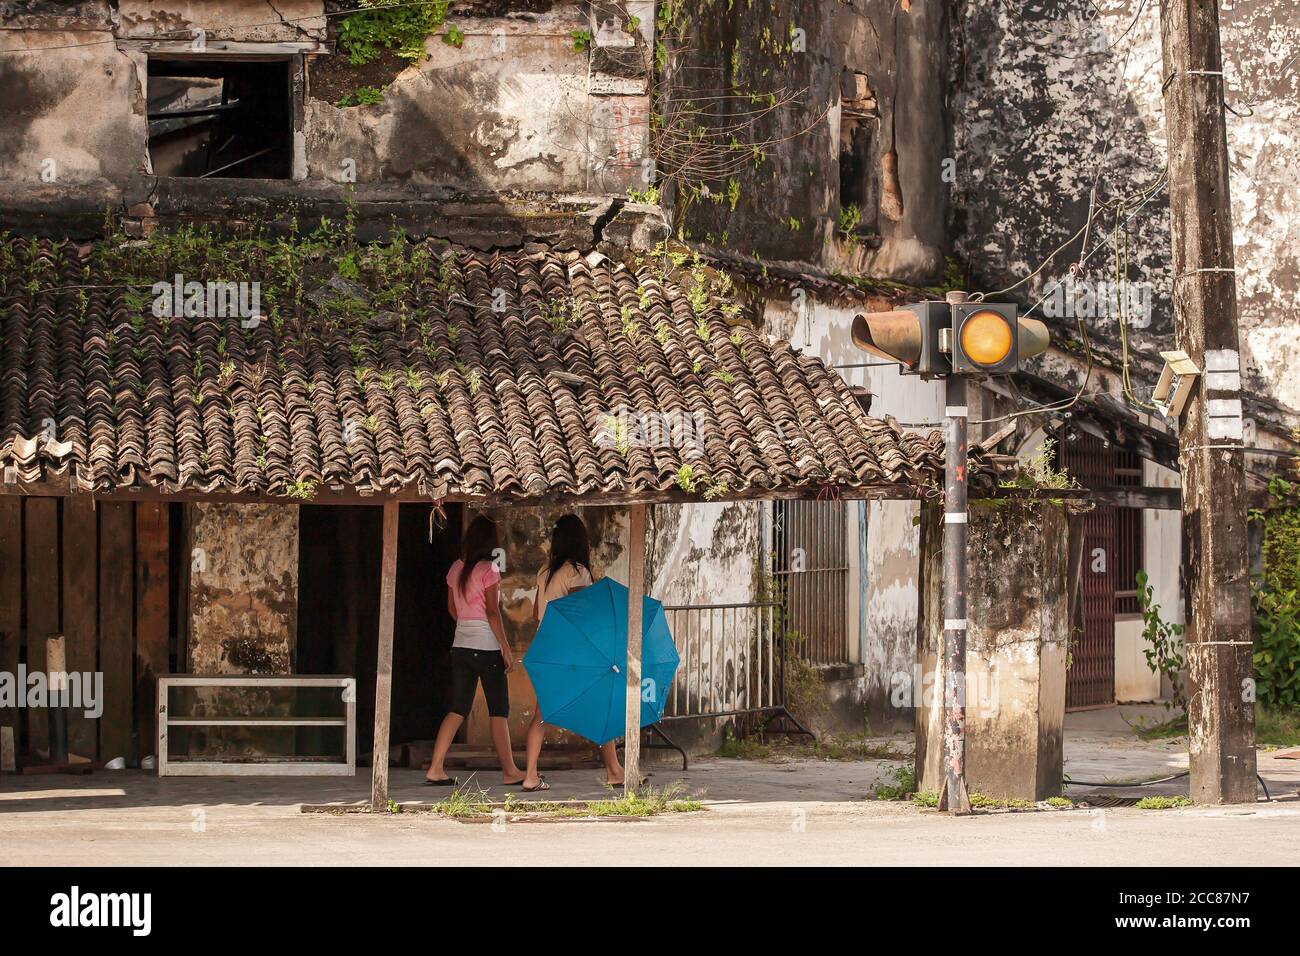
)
(953, 797)
(1221, 716)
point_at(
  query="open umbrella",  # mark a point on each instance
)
(578, 661)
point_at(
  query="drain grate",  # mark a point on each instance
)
(1102, 802)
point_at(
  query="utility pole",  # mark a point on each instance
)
(1221, 718)
(954, 797)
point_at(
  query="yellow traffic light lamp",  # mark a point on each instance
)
(991, 339)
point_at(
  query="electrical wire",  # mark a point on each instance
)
(1152, 192)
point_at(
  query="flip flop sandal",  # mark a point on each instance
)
(444, 782)
(541, 785)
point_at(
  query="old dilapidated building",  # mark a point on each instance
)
(825, 157)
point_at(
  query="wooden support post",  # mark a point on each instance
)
(11, 594)
(42, 546)
(1216, 573)
(635, 594)
(80, 533)
(384, 665)
(116, 621)
(152, 617)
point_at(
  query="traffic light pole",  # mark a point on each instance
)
(954, 797)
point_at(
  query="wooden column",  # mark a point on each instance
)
(635, 593)
(80, 580)
(116, 622)
(11, 593)
(1216, 568)
(152, 617)
(42, 547)
(384, 667)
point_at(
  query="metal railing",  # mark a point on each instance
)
(732, 659)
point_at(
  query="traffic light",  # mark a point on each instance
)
(934, 339)
(910, 336)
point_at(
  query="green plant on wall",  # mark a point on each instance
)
(395, 25)
(1164, 650)
(1276, 599)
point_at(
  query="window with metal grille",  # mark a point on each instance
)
(1128, 535)
(810, 569)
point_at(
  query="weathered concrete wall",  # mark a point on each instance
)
(1054, 99)
(243, 589)
(1016, 649)
(888, 599)
(801, 56)
(514, 110)
(74, 117)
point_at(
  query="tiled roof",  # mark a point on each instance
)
(500, 375)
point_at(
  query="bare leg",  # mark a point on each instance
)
(536, 733)
(450, 724)
(510, 772)
(613, 769)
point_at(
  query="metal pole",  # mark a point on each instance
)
(954, 797)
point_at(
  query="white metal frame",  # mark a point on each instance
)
(217, 768)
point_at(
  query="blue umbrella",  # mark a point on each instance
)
(578, 661)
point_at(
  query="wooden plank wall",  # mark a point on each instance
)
(41, 543)
(99, 574)
(11, 594)
(152, 616)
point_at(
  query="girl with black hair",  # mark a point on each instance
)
(568, 570)
(479, 652)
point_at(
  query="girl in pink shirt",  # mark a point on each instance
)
(479, 652)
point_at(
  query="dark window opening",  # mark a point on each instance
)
(220, 118)
(858, 119)
(1128, 535)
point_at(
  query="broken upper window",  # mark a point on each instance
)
(220, 118)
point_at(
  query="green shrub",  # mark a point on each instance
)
(385, 25)
(1276, 600)
(1164, 643)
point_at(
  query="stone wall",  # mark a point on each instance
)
(1016, 650)
(514, 109)
(1056, 99)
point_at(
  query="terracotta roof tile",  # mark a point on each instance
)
(499, 380)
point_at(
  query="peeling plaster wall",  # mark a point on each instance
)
(512, 110)
(889, 600)
(1049, 101)
(243, 589)
(789, 200)
(73, 118)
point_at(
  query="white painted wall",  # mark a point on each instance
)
(883, 609)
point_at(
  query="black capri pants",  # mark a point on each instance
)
(468, 667)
